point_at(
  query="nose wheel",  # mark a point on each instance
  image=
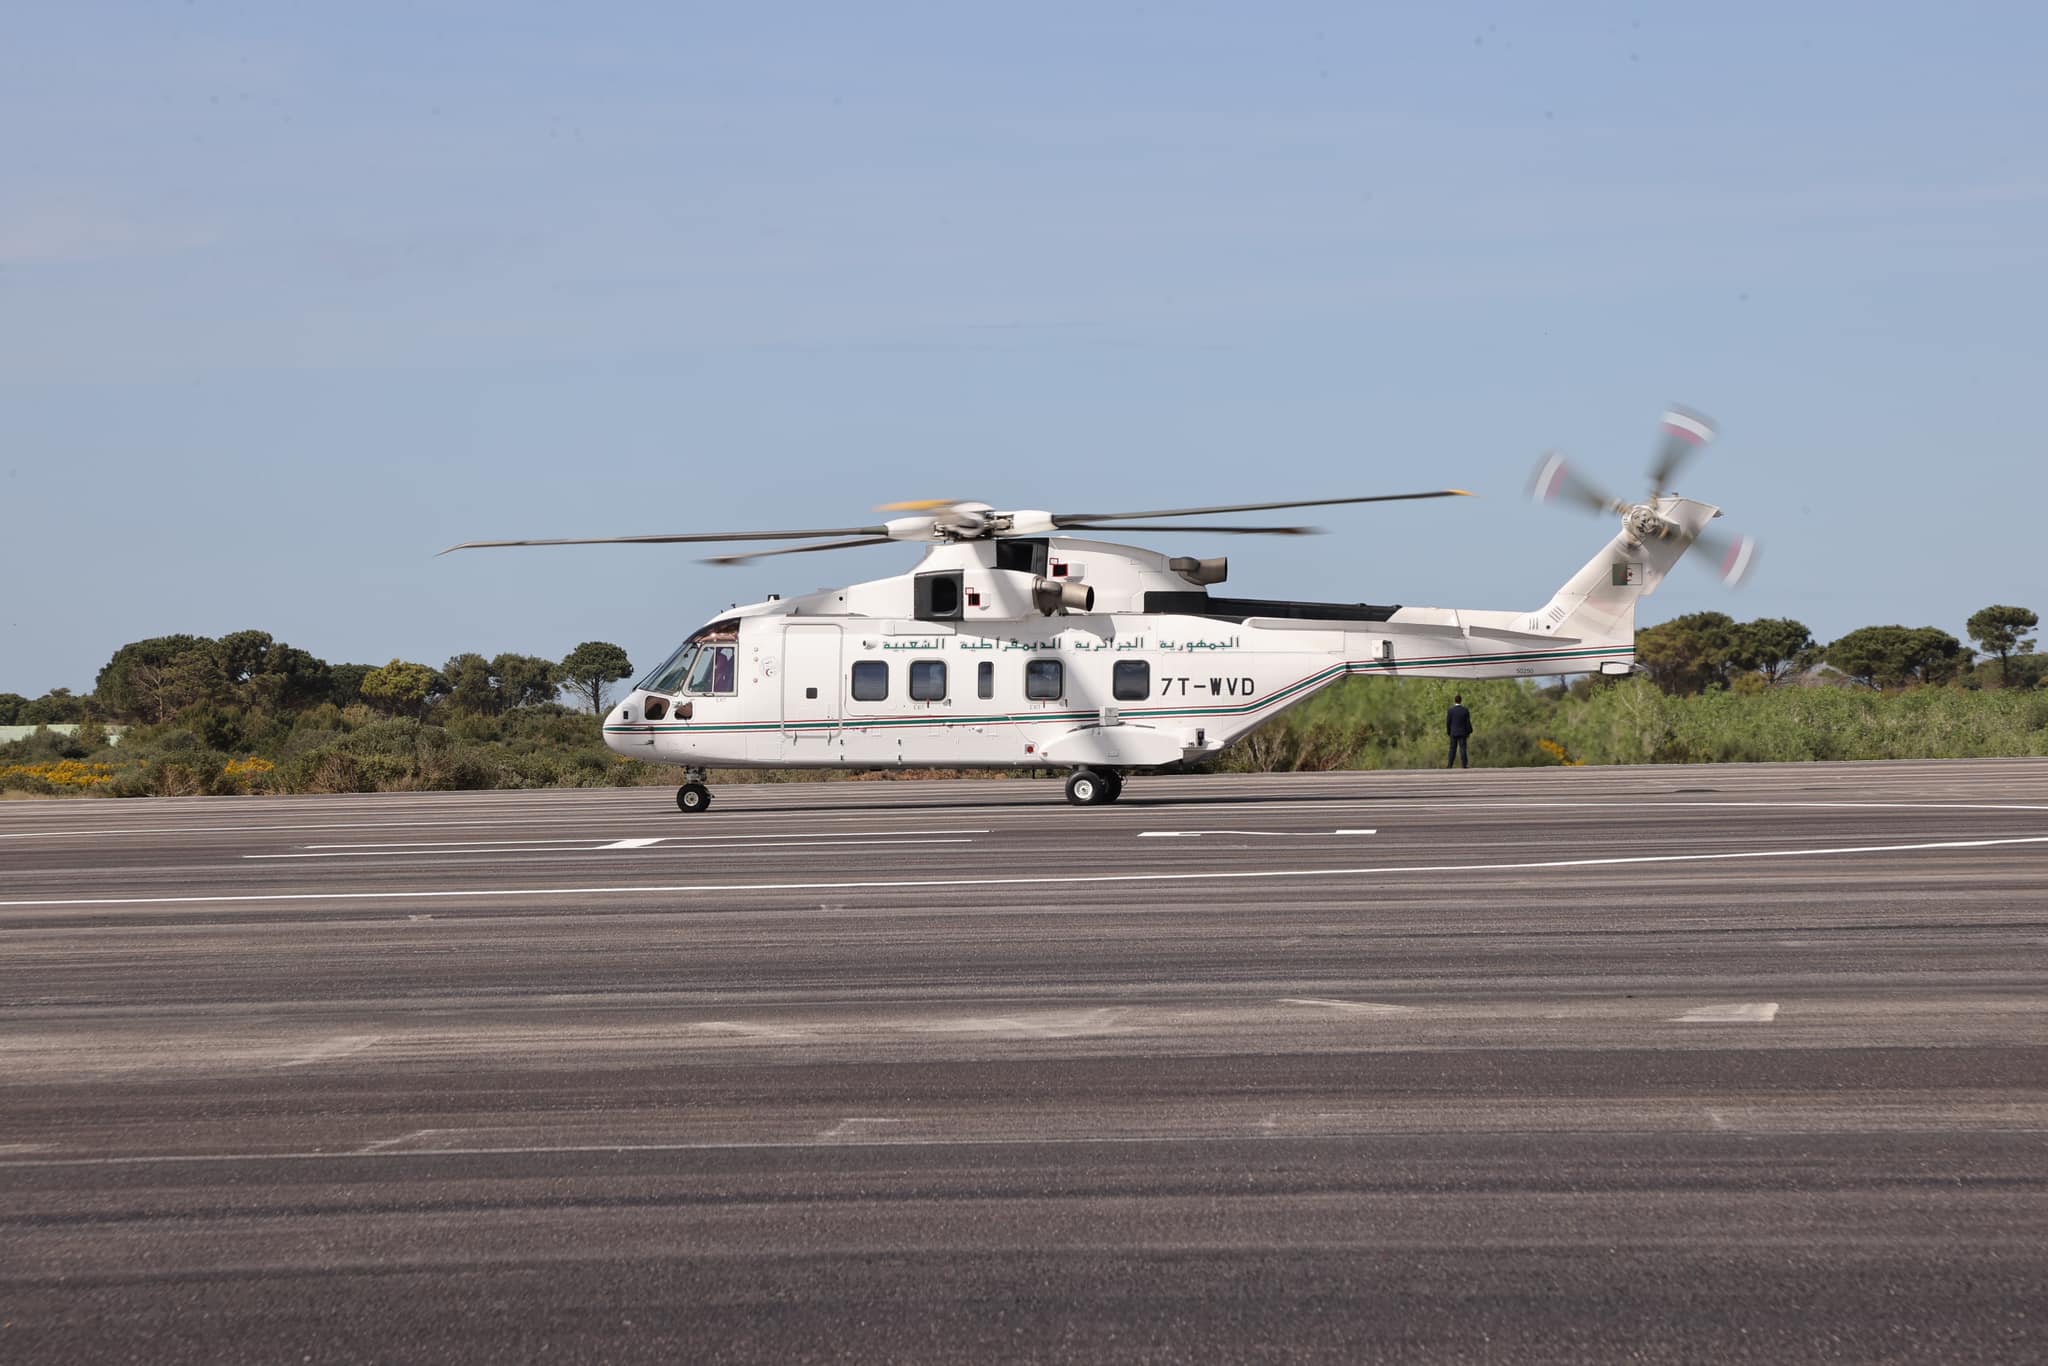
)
(1094, 787)
(693, 796)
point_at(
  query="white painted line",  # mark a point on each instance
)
(426, 855)
(1054, 880)
(437, 845)
(1347, 1007)
(1264, 834)
(384, 1143)
(1752, 1012)
(332, 1049)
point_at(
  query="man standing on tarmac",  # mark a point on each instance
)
(1458, 722)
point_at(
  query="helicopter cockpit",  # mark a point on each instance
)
(704, 665)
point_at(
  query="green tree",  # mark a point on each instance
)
(590, 666)
(1688, 654)
(470, 685)
(401, 687)
(11, 704)
(1894, 656)
(56, 707)
(266, 672)
(345, 682)
(1773, 647)
(153, 680)
(524, 680)
(2002, 631)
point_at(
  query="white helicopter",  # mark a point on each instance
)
(1015, 644)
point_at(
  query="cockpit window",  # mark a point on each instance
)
(713, 670)
(669, 674)
(669, 677)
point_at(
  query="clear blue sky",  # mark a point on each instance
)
(293, 296)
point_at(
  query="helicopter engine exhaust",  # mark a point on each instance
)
(1050, 596)
(1203, 572)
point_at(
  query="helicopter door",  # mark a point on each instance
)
(810, 691)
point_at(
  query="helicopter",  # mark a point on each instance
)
(1016, 643)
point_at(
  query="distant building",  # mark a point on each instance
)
(9, 734)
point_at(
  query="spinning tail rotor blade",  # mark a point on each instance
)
(1555, 481)
(1733, 556)
(1685, 432)
(1068, 519)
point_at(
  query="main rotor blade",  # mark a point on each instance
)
(1063, 519)
(685, 539)
(1685, 432)
(1205, 530)
(799, 550)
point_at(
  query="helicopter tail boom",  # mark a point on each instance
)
(1599, 602)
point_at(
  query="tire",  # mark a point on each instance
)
(1085, 787)
(1113, 786)
(692, 798)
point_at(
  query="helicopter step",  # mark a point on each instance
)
(1094, 786)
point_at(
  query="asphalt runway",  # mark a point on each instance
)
(1661, 1064)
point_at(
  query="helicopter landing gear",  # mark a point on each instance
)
(693, 796)
(1094, 787)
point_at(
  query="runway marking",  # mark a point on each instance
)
(1753, 1012)
(1348, 1007)
(749, 1031)
(422, 855)
(334, 1048)
(383, 1144)
(1266, 1129)
(856, 1126)
(437, 846)
(769, 812)
(1192, 834)
(1050, 880)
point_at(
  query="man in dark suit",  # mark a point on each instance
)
(1458, 722)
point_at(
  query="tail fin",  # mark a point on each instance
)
(1598, 604)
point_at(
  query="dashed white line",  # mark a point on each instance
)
(425, 855)
(1347, 1007)
(1747, 1012)
(1264, 834)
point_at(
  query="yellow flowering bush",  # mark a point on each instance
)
(241, 775)
(62, 773)
(1557, 752)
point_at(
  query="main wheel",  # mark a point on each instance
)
(693, 797)
(1113, 785)
(1085, 787)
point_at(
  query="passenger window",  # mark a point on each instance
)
(871, 680)
(927, 680)
(1045, 680)
(985, 680)
(1131, 680)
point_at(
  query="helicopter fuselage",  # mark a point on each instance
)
(1055, 653)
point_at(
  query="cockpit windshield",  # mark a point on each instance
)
(706, 670)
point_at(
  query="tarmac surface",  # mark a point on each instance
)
(1744, 1063)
